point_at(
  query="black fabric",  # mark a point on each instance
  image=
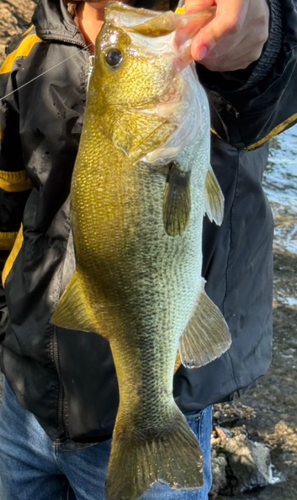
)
(3, 305)
(67, 379)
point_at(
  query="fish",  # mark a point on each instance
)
(141, 185)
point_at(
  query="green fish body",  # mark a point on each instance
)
(141, 186)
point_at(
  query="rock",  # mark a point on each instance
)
(15, 16)
(230, 414)
(218, 464)
(248, 463)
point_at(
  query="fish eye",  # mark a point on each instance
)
(113, 57)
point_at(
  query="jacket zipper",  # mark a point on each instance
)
(91, 67)
(55, 350)
(61, 423)
(61, 394)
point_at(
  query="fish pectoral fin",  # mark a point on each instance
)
(177, 201)
(207, 335)
(214, 198)
(171, 456)
(73, 310)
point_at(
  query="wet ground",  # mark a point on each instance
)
(275, 398)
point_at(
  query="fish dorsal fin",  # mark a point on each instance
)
(177, 200)
(73, 310)
(214, 198)
(207, 335)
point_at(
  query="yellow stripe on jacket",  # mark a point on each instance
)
(275, 131)
(16, 247)
(23, 50)
(15, 182)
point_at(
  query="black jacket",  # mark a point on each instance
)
(67, 379)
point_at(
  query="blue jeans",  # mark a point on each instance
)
(33, 467)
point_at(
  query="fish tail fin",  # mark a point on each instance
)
(171, 456)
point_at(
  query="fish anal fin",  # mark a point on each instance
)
(73, 310)
(177, 200)
(214, 198)
(171, 456)
(207, 335)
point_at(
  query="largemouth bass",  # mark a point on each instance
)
(141, 185)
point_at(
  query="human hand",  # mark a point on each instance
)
(235, 37)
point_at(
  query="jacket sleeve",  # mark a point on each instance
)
(15, 185)
(249, 107)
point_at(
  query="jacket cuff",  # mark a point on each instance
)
(271, 48)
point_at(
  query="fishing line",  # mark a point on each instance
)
(41, 74)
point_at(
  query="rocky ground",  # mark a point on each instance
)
(274, 401)
(266, 415)
(15, 16)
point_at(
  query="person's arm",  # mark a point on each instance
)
(14, 183)
(252, 104)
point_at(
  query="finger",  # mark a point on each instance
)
(225, 26)
(226, 54)
(222, 66)
(242, 56)
(197, 5)
(188, 25)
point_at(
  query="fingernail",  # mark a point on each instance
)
(202, 52)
